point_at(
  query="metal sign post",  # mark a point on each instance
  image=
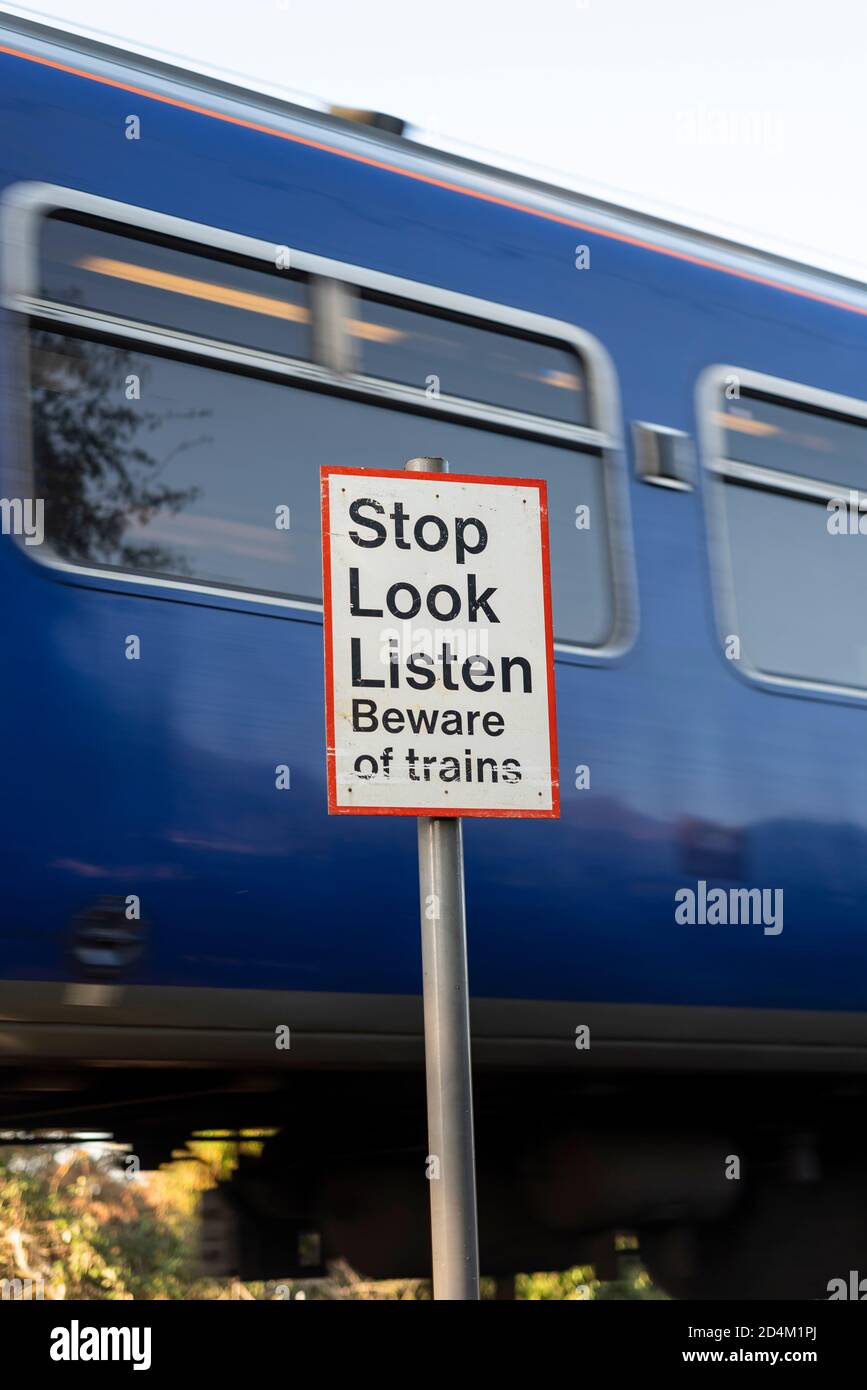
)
(451, 1157)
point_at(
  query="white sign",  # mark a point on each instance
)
(439, 675)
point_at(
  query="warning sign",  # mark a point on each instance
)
(439, 676)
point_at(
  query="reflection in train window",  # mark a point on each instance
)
(455, 358)
(129, 277)
(793, 438)
(787, 472)
(181, 484)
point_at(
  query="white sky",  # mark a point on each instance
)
(746, 117)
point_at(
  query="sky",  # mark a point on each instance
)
(746, 118)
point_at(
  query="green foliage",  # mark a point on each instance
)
(581, 1285)
(77, 1220)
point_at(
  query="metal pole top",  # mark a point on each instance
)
(424, 464)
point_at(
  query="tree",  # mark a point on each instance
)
(91, 465)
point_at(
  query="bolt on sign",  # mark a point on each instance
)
(439, 669)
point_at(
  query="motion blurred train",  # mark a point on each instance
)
(208, 294)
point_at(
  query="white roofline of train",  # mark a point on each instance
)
(170, 79)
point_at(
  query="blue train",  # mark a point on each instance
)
(207, 294)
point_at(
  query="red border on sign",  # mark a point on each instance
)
(327, 471)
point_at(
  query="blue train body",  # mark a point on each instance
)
(156, 777)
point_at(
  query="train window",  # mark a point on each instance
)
(458, 358)
(173, 485)
(789, 475)
(185, 390)
(130, 277)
